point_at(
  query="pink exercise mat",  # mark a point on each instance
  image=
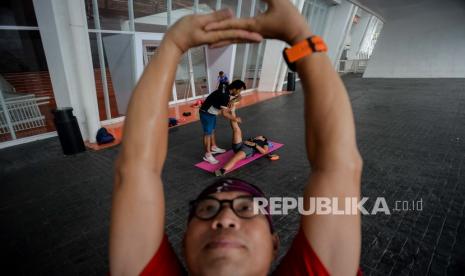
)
(224, 158)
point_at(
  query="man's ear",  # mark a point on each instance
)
(276, 243)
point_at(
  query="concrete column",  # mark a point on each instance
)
(63, 29)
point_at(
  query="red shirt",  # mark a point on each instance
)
(299, 260)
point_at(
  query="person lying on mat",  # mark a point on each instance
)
(242, 149)
(223, 237)
(216, 103)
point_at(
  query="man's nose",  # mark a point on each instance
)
(226, 219)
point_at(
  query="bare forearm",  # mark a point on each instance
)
(262, 150)
(330, 130)
(146, 127)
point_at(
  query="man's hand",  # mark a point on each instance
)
(190, 32)
(270, 24)
(238, 120)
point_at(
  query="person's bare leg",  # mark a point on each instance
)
(207, 143)
(237, 132)
(212, 141)
(236, 158)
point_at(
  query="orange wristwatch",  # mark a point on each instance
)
(302, 49)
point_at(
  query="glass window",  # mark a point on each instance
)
(99, 81)
(25, 85)
(206, 6)
(239, 61)
(252, 57)
(119, 60)
(182, 82)
(315, 13)
(261, 53)
(17, 13)
(240, 50)
(231, 4)
(181, 8)
(150, 16)
(113, 14)
(200, 71)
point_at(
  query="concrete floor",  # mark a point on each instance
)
(54, 210)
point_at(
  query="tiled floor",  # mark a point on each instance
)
(54, 210)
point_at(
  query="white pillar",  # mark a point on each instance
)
(63, 29)
(273, 66)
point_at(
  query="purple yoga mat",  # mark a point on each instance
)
(224, 157)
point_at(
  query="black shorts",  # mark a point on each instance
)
(249, 151)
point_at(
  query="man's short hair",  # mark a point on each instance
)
(221, 72)
(237, 84)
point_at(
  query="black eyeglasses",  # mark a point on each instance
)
(209, 207)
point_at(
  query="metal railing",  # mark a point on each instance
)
(18, 113)
(352, 66)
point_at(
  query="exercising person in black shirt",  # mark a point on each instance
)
(217, 103)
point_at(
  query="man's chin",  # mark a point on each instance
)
(223, 264)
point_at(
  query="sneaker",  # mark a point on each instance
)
(210, 159)
(219, 172)
(216, 150)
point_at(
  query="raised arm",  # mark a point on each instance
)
(336, 164)
(330, 139)
(138, 209)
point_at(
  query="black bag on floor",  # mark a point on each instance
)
(104, 137)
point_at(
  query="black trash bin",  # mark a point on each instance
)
(68, 131)
(290, 81)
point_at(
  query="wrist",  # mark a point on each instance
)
(299, 36)
(169, 45)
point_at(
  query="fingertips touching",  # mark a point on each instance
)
(248, 24)
(243, 37)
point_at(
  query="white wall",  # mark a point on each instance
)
(421, 41)
(219, 59)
